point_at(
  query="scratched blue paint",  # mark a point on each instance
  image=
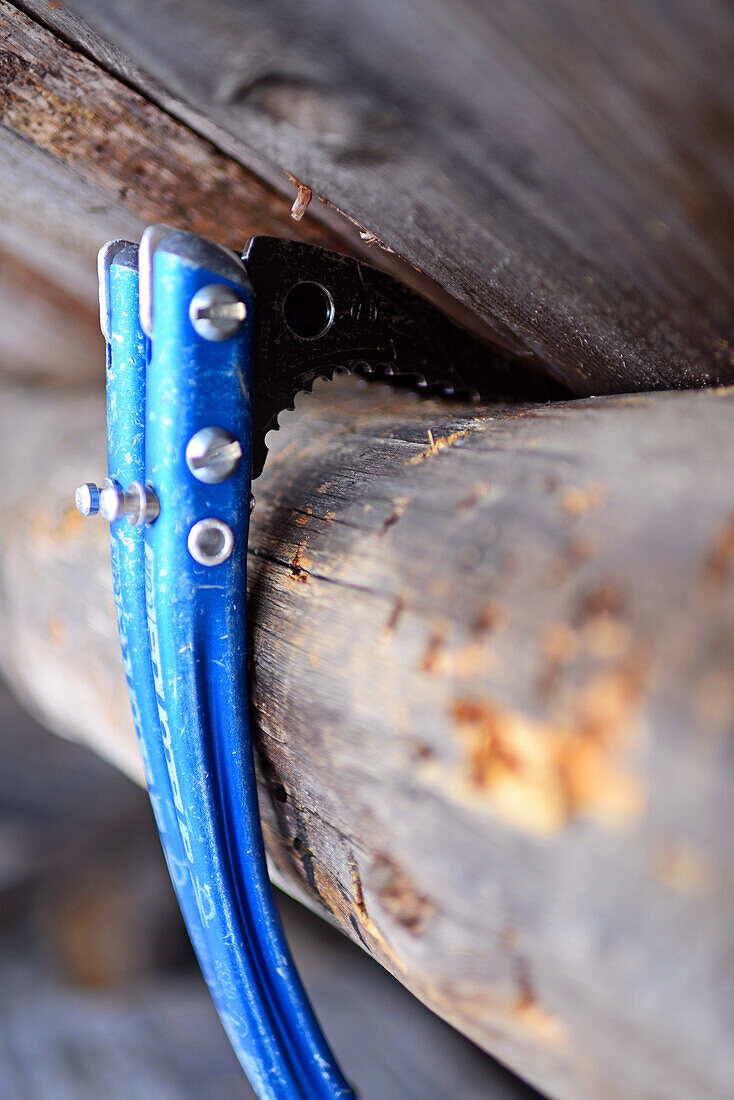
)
(128, 351)
(182, 626)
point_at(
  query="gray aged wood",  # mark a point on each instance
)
(493, 683)
(564, 169)
(84, 159)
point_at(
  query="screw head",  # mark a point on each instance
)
(213, 454)
(216, 312)
(210, 541)
(86, 498)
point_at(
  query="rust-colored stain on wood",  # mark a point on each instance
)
(399, 897)
(480, 1010)
(400, 505)
(433, 648)
(560, 643)
(489, 618)
(529, 1015)
(368, 931)
(299, 563)
(580, 549)
(467, 659)
(526, 1011)
(57, 631)
(393, 619)
(715, 698)
(477, 493)
(603, 599)
(685, 870)
(540, 775)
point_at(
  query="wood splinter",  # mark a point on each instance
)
(302, 200)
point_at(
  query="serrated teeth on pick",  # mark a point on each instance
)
(365, 371)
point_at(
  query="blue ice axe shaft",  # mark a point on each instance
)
(182, 629)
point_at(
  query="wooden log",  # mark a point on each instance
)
(85, 159)
(564, 169)
(493, 682)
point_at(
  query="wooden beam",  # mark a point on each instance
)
(86, 158)
(564, 169)
(119, 142)
(492, 667)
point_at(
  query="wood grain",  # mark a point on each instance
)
(122, 144)
(86, 158)
(564, 169)
(493, 682)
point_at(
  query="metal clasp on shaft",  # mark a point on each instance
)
(138, 502)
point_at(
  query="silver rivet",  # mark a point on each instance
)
(210, 541)
(216, 312)
(86, 499)
(138, 502)
(213, 455)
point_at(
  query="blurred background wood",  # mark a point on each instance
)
(101, 996)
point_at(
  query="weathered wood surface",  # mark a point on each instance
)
(564, 169)
(493, 679)
(84, 159)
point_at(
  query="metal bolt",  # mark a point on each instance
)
(138, 502)
(213, 455)
(210, 541)
(86, 499)
(216, 312)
